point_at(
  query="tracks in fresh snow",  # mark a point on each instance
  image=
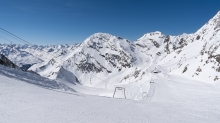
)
(151, 91)
(153, 84)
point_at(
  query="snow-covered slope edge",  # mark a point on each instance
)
(33, 79)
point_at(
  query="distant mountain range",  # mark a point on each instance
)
(107, 61)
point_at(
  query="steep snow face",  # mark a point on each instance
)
(156, 46)
(212, 25)
(191, 55)
(32, 78)
(200, 59)
(151, 44)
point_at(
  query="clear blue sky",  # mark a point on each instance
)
(72, 21)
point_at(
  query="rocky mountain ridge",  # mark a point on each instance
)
(6, 62)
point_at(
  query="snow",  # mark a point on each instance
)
(32, 78)
(157, 78)
(174, 99)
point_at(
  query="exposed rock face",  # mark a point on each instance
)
(6, 62)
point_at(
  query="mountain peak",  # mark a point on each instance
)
(211, 25)
(100, 37)
(218, 13)
(217, 16)
(100, 34)
(151, 35)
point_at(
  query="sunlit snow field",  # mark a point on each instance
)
(173, 99)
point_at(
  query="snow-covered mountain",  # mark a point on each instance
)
(197, 57)
(106, 62)
(101, 61)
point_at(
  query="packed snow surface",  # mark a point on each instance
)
(172, 99)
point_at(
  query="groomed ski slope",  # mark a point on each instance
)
(172, 100)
